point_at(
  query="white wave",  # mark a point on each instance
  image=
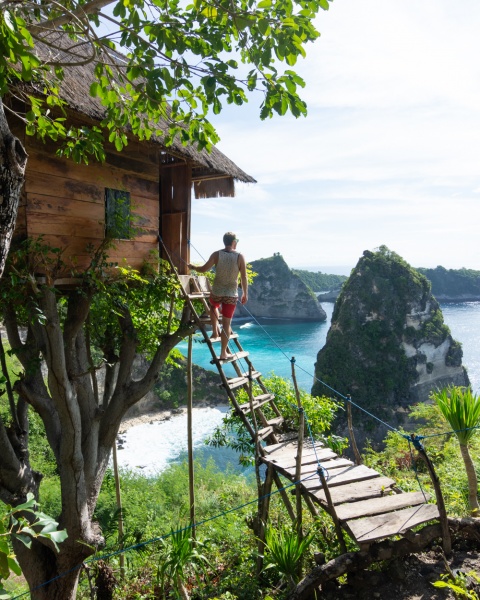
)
(150, 447)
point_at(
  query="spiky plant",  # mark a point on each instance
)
(461, 408)
(285, 551)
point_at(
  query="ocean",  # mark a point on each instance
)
(272, 343)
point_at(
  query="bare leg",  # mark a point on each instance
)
(226, 333)
(214, 320)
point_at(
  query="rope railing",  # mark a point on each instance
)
(346, 398)
(154, 540)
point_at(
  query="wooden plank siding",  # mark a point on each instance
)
(65, 202)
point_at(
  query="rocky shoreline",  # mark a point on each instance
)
(158, 415)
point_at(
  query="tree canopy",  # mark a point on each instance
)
(178, 62)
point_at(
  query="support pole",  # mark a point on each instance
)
(447, 540)
(331, 509)
(119, 506)
(356, 453)
(191, 474)
(298, 459)
(263, 518)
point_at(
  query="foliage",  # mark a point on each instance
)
(364, 353)
(24, 523)
(320, 282)
(319, 413)
(461, 408)
(181, 61)
(460, 584)
(179, 558)
(399, 459)
(453, 282)
(285, 551)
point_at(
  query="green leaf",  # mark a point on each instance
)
(4, 570)
(14, 566)
(264, 4)
(4, 595)
(25, 539)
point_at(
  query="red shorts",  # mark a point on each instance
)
(228, 304)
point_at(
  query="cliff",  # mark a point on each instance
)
(387, 345)
(278, 293)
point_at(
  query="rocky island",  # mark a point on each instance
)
(277, 292)
(388, 345)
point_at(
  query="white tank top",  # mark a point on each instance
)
(226, 274)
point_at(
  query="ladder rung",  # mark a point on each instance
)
(231, 358)
(258, 401)
(276, 421)
(198, 295)
(265, 432)
(234, 336)
(236, 382)
(255, 375)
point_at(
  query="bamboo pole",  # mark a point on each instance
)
(119, 506)
(446, 538)
(298, 459)
(191, 474)
(356, 453)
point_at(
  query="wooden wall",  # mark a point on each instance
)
(65, 202)
(176, 194)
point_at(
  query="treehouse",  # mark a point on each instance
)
(131, 198)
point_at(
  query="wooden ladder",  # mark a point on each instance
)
(366, 504)
(197, 292)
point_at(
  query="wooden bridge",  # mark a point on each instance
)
(363, 503)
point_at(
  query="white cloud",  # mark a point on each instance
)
(388, 154)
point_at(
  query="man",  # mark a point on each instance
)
(228, 264)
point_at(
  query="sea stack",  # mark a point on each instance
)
(388, 346)
(278, 293)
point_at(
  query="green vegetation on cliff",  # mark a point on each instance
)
(364, 354)
(320, 282)
(453, 283)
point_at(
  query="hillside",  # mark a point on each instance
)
(320, 282)
(388, 345)
(278, 293)
(453, 284)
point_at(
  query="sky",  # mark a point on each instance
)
(389, 153)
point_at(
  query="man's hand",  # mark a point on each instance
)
(244, 298)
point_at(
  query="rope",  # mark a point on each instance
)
(164, 536)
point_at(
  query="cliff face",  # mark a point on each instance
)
(387, 345)
(277, 292)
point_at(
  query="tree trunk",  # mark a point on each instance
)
(51, 576)
(80, 427)
(472, 480)
(13, 160)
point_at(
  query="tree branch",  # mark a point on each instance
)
(82, 11)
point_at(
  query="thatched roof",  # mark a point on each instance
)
(75, 90)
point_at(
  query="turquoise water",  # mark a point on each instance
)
(272, 343)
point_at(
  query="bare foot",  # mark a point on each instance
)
(214, 336)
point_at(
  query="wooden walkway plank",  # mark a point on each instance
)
(367, 530)
(382, 504)
(335, 463)
(362, 490)
(323, 455)
(343, 476)
(292, 445)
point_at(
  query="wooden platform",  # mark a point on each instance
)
(365, 502)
